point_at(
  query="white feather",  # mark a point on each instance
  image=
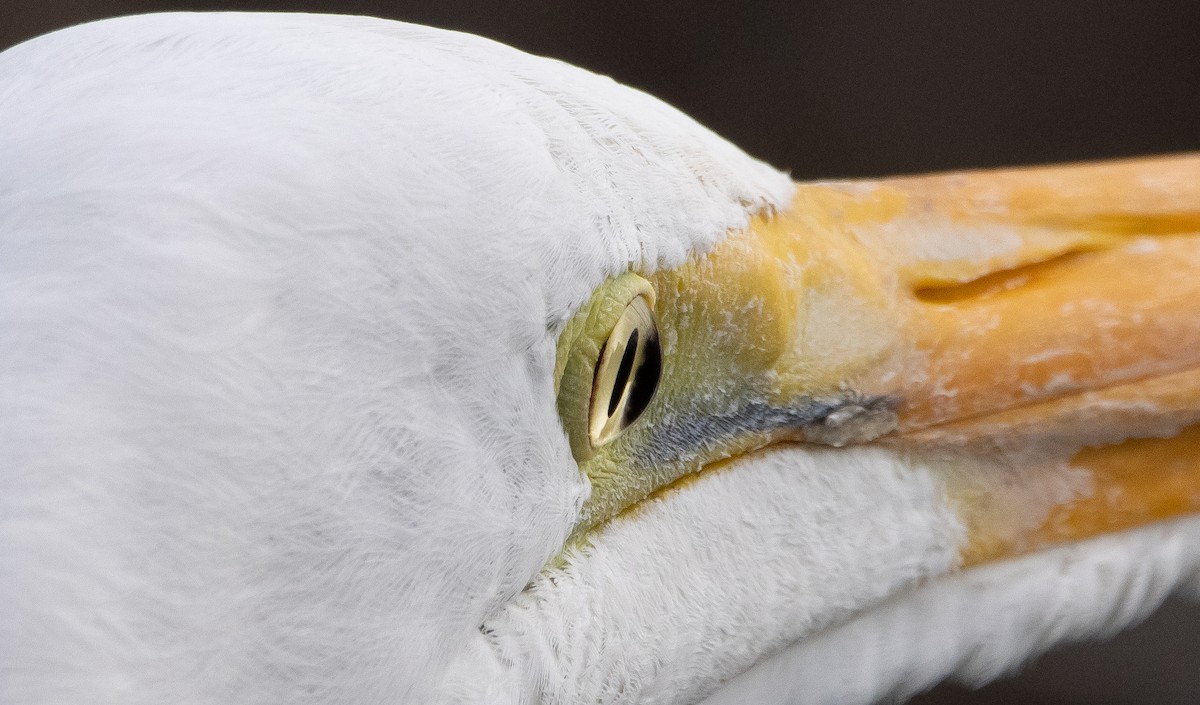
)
(980, 624)
(278, 304)
(695, 587)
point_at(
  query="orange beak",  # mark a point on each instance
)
(1049, 351)
(1038, 331)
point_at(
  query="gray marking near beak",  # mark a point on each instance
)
(839, 421)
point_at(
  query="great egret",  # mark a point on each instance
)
(344, 360)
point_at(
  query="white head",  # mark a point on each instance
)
(281, 300)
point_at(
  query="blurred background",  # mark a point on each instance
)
(830, 88)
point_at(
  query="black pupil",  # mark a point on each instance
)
(645, 381)
(623, 372)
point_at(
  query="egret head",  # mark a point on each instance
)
(349, 360)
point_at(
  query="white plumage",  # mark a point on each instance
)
(279, 298)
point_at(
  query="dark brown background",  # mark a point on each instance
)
(835, 88)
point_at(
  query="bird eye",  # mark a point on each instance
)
(627, 373)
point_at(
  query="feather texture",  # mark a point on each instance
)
(278, 304)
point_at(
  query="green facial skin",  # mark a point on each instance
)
(718, 395)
